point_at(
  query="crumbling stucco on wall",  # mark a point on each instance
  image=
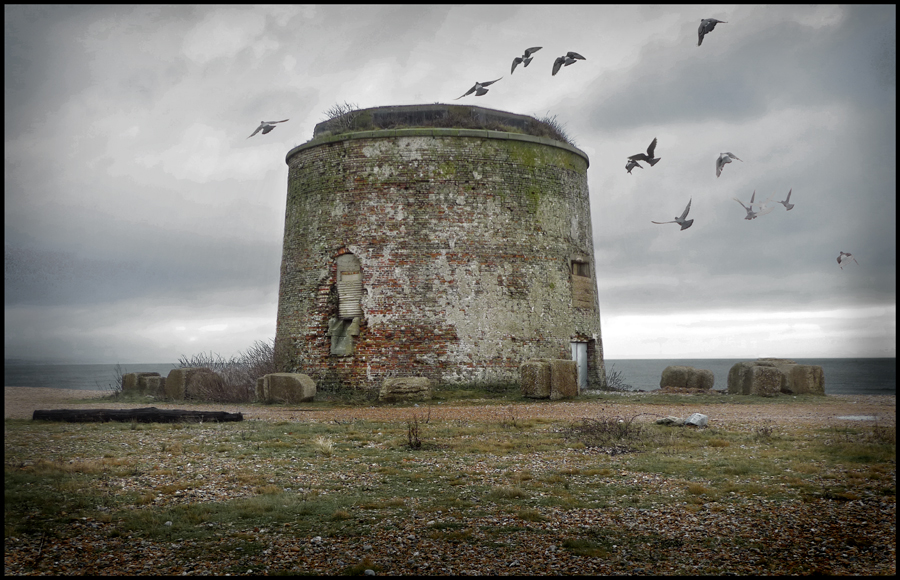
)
(465, 245)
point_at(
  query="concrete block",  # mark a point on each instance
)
(288, 388)
(534, 377)
(563, 379)
(188, 382)
(154, 386)
(405, 389)
(131, 382)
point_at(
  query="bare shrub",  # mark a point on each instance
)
(551, 128)
(343, 114)
(615, 379)
(215, 387)
(115, 387)
(412, 433)
(613, 435)
(236, 377)
(509, 419)
(764, 432)
(259, 360)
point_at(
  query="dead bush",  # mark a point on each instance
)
(613, 435)
(235, 380)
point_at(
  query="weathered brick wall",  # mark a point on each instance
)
(465, 241)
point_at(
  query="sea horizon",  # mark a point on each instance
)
(857, 375)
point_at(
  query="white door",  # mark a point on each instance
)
(579, 355)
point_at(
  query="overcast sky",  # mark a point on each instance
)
(141, 224)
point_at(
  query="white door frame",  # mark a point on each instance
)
(579, 355)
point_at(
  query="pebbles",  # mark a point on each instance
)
(742, 535)
(758, 537)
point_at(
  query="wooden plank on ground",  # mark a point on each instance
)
(145, 415)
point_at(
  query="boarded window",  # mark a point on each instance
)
(582, 285)
(349, 286)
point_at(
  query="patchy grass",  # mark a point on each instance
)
(348, 479)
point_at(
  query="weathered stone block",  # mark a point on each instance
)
(766, 381)
(288, 388)
(739, 378)
(745, 378)
(534, 377)
(190, 382)
(805, 380)
(153, 385)
(405, 389)
(685, 377)
(261, 389)
(563, 379)
(131, 382)
(772, 361)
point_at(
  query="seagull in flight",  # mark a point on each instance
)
(525, 59)
(566, 60)
(723, 159)
(845, 257)
(648, 157)
(706, 26)
(478, 89)
(631, 165)
(786, 203)
(684, 223)
(266, 126)
(750, 213)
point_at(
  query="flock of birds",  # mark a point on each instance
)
(754, 209)
(561, 61)
(707, 25)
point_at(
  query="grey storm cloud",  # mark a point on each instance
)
(133, 199)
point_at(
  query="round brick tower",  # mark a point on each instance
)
(418, 244)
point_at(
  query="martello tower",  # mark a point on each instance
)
(449, 242)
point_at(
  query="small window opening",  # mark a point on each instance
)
(581, 269)
(582, 285)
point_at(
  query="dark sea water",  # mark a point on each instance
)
(843, 376)
(70, 376)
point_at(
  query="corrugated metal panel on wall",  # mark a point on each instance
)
(350, 295)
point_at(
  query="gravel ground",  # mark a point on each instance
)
(21, 402)
(847, 538)
(752, 536)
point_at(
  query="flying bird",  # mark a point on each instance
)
(566, 60)
(845, 257)
(750, 213)
(525, 59)
(631, 165)
(266, 126)
(786, 203)
(648, 157)
(478, 89)
(706, 26)
(723, 159)
(685, 224)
